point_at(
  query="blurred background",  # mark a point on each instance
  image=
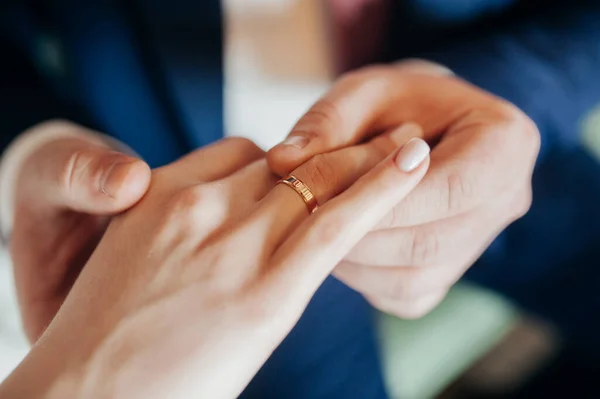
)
(476, 343)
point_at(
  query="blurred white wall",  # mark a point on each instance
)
(277, 65)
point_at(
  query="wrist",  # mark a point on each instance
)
(42, 376)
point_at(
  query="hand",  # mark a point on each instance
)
(65, 191)
(192, 289)
(478, 183)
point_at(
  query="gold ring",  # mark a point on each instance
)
(307, 196)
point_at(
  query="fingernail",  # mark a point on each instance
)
(296, 141)
(114, 177)
(412, 155)
(404, 133)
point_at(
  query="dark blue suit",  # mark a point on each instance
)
(150, 73)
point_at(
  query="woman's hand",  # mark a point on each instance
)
(189, 292)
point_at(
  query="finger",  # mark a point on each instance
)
(416, 280)
(405, 283)
(310, 253)
(467, 170)
(326, 175)
(375, 99)
(436, 242)
(227, 156)
(244, 189)
(77, 174)
(412, 309)
(251, 183)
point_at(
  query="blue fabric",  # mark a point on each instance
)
(549, 67)
(331, 353)
(111, 73)
(455, 11)
(150, 74)
(186, 37)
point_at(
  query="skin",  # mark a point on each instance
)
(483, 154)
(63, 199)
(215, 238)
(484, 151)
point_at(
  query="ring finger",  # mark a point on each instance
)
(326, 176)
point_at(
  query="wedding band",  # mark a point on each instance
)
(307, 196)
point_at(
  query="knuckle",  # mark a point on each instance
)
(394, 218)
(510, 114)
(194, 205)
(324, 114)
(423, 66)
(366, 73)
(458, 190)
(523, 203)
(56, 125)
(319, 173)
(424, 248)
(326, 229)
(374, 81)
(355, 76)
(404, 286)
(244, 145)
(413, 310)
(74, 169)
(187, 198)
(518, 125)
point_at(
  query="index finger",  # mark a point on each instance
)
(367, 102)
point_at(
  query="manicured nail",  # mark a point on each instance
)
(114, 177)
(412, 155)
(296, 141)
(404, 133)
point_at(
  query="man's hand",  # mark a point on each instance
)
(65, 190)
(479, 181)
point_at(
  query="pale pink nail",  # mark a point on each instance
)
(296, 141)
(412, 155)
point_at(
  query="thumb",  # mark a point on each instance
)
(358, 106)
(86, 176)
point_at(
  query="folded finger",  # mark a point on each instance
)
(406, 283)
(430, 244)
(409, 309)
(475, 165)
